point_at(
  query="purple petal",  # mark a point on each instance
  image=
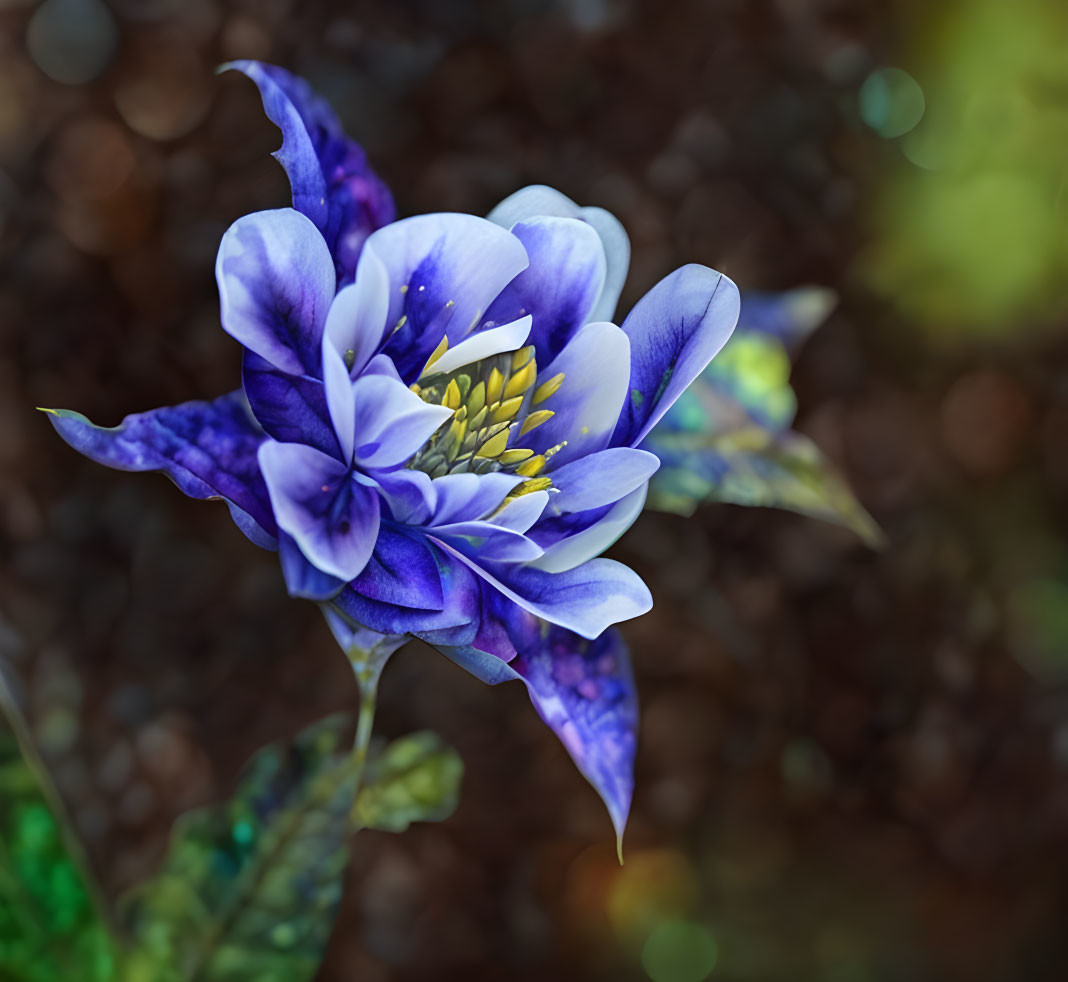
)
(674, 330)
(487, 342)
(457, 620)
(303, 578)
(340, 400)
(538, 200)
(466, 497)
(595, 364)
(331, 180)
(290, 408)
(391, 421)
(207, 448)
(356, 321)
(356, 640)
(276, 282)
(444, 272)
(333, 518)
(409, 494)
(585, 692)
(586, 599)
(486, 542)
(402, 571)
(600, 479)
(585, 535)
(521, 513)
(559, 287)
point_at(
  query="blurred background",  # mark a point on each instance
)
(853, 764)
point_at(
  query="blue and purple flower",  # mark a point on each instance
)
(439, 425)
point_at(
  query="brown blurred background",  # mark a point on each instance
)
(853, 766)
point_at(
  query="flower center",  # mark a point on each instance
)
(494, 404)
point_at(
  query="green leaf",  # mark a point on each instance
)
(756, 467)
(414, 779)
(50, 928)
(249, 889)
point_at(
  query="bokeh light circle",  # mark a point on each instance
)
(72, 41)
(891, 102)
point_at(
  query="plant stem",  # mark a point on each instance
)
(368, 682)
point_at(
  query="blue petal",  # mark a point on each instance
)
(585, 692)
(276, 282)
(207, 448)
(356, 640)
(466, 497)
(585, 535)
(331, 180)
(444, 272)
(340, 400)
(675, 330)
(409, 495)
(356, 321)
(402, 571)
(291, 408)
(457, 620)
(521, 513)
(303, 578)
(391, 421)
(595, 364)
(586, 599)
(489, 341)
(333, 518)
(600, 479)
(487, 542)
(559, 288)
(538, 200)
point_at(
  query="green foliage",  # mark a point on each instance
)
(49, 926)
(728, 439)
(414, 779)
(968, 224)
(756, 467)
(249, 889)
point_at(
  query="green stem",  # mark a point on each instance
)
(368, 682)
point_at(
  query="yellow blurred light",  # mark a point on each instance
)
(972, 234)
(653, 884)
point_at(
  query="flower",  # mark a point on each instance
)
(438, 425)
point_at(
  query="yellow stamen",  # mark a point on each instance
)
(531, 467)
(527, 487)
(521, 380)
(452, 397)
(547, 388)
(522, 357)
(443, 346)
(477, 399)
(536, 419)
(495, 446)
(494, 386)
(515, 456)
(506, 410)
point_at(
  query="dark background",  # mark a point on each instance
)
(853, 765)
